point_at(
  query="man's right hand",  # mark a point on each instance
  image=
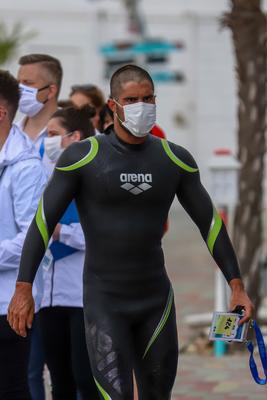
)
(21, 309)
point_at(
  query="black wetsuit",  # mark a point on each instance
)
(123, 194)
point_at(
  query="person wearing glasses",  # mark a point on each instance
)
(124, 184)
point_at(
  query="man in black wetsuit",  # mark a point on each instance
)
(123, 185)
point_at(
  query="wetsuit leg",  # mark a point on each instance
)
(80, 360)
(110, 352)
(156, 350)
(137, 334)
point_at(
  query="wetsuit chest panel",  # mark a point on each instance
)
(141, 177)
(126, 205)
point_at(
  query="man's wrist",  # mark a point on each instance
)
(23, 286)
(236, 284)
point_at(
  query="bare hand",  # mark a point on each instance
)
(240, 298)
(56, 233)
(21, 309)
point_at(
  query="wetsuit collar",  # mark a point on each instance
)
(119, 143)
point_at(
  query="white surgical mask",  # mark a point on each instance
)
(139, 118)
(53, 146)
(28, 103)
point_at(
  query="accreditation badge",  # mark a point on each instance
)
(47, 260)
(225, 327)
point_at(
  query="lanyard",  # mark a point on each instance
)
(262, 353)
(42, 149)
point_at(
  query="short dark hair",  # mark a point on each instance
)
(126, 74)
(64, 103)
(74, 118)
(51, 64)
(105, 111)
(92, 92)
(9, 93)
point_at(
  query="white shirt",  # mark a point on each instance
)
(38, 143)
(63, 279)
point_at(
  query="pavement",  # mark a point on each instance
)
(206, 377)
(200, 375)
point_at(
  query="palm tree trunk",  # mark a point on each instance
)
(249, 30)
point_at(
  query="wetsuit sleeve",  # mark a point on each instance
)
(196, 201)
(61, 190)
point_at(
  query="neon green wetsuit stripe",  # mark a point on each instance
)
(215, 228)
(102, 391)
(41, 222)
(175, 159)
(86, 159)
(161, 323)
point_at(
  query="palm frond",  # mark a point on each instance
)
(10, 41)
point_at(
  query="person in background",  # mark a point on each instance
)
(88, 94)
(158, 131)
(64, 103)
(105, 119)
(61, 315)
(91, 112)
(22, 180)
(39, 77)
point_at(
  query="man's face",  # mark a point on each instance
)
(130, 93)
(35, 76)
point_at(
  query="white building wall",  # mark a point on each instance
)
(66, 32)
(215, 90)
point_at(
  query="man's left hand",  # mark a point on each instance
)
(21, 309)
(239, 297)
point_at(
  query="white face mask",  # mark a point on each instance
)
(139, 118)
(28, 103)
(53, 146)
